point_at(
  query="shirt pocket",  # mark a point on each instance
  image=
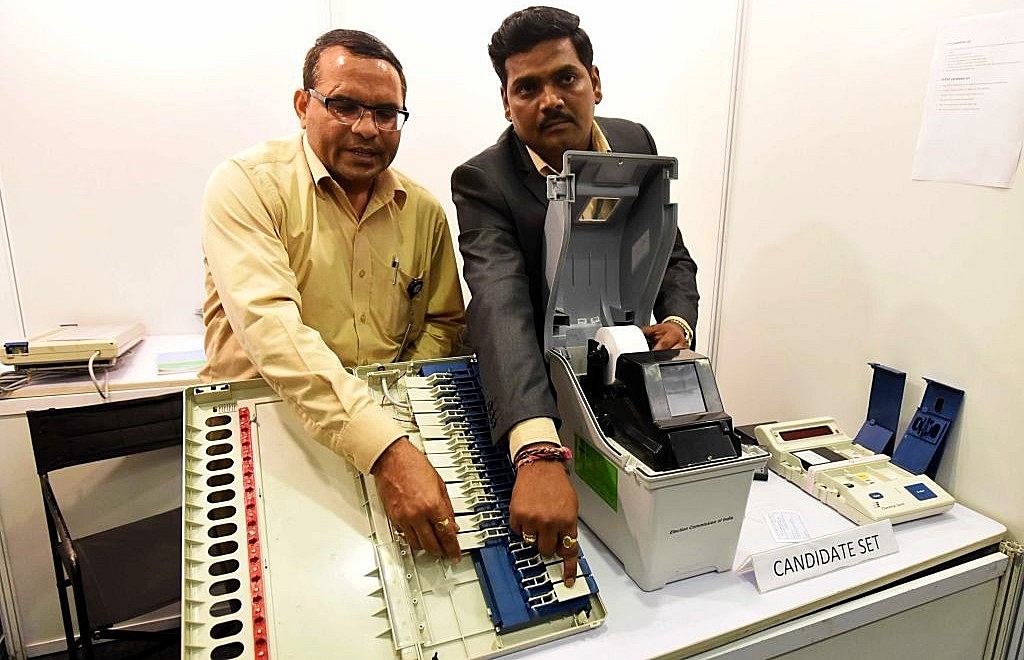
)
(392, 309)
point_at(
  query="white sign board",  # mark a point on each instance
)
(795, 563)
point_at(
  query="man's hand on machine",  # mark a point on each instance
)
(662, 336)
(416, 500)
(543, 511)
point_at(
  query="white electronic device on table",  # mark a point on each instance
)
(73, 345)
(271, 516)
(863, 486)
(659, 475)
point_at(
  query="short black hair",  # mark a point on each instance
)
(526, 28)
(356, 42)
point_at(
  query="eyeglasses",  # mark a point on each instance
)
(349, 112)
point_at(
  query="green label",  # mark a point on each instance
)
(596, 471)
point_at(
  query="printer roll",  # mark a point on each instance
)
(617, 340)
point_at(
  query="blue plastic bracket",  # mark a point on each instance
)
(921, 447)
(884, 403)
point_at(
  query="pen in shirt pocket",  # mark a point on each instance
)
(394, 268)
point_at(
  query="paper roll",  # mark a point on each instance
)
(617, 340)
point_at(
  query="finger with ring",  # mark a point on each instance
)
(568, 542)
(529, 538)
(442, 525)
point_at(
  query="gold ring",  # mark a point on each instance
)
(568, 542)
(530, 538)
(442, 525)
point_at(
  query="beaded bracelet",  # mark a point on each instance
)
(684, 326)
(545, 453)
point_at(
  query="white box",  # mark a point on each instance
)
(74, 345)
(663, 526)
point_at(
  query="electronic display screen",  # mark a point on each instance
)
(818, 456)
(682, 389)
(809, 432)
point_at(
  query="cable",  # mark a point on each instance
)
(387, 393)
(405, 338)
(25, 376)
(413, 290)
(104, 391)
(383, 375)
(18, 378)
(12, 380)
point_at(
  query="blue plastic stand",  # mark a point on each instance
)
(879, 430)
(920, 449)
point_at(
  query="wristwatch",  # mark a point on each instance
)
(681, 322)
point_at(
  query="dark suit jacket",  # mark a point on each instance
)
(501, 202)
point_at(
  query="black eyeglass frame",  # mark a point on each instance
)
(401, 115)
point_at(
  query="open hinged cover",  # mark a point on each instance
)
(920, 449)
(658, 475)
(287, 548)
(878, 433)
(609, 232)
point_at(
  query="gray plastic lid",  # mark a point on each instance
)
(609, 232)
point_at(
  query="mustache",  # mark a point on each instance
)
(554, 117)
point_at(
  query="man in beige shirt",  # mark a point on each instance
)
(319, 257)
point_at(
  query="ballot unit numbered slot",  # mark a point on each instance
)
(519, 586)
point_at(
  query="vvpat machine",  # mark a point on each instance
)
(660, 478)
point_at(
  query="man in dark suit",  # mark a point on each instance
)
(549, 87)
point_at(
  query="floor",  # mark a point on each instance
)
(124, 651)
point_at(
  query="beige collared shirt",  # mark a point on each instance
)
(298, 288)
(597, 139)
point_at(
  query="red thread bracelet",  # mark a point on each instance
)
(546, 453)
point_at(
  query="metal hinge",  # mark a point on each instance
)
(561, 187)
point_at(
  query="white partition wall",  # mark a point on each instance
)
(666, 66)
(10, 311)
(836, 258)
(112, 116)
